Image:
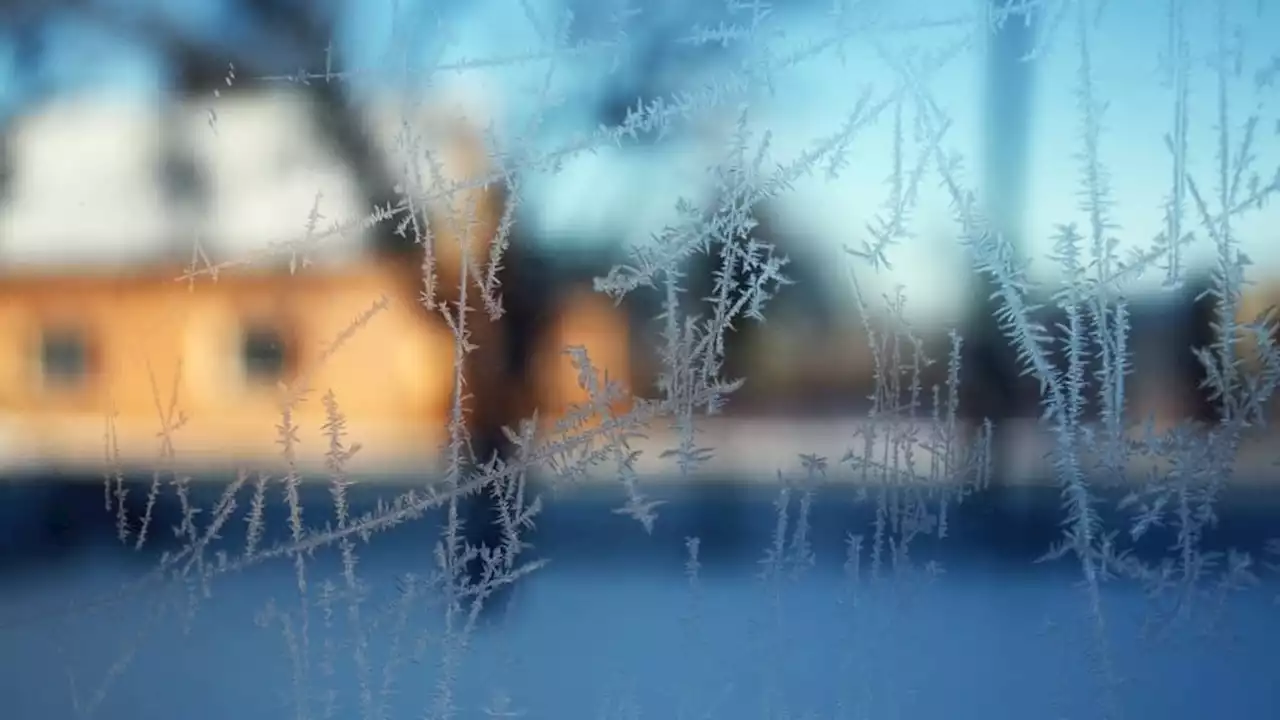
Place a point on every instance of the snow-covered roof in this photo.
(266, 167)
(84, 183)
(442, 135)
(88, 182)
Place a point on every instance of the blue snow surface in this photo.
(612, 628)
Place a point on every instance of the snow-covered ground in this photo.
(612, 629)
(751, 450)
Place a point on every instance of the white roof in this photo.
(267, 168)
(414, 135)
(87, 180)
(88, 175)
(84, 183)
(444, 135)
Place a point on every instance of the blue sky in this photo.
(813, 99)
(631, 192)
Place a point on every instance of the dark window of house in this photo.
(265, 354)
(64, 357)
